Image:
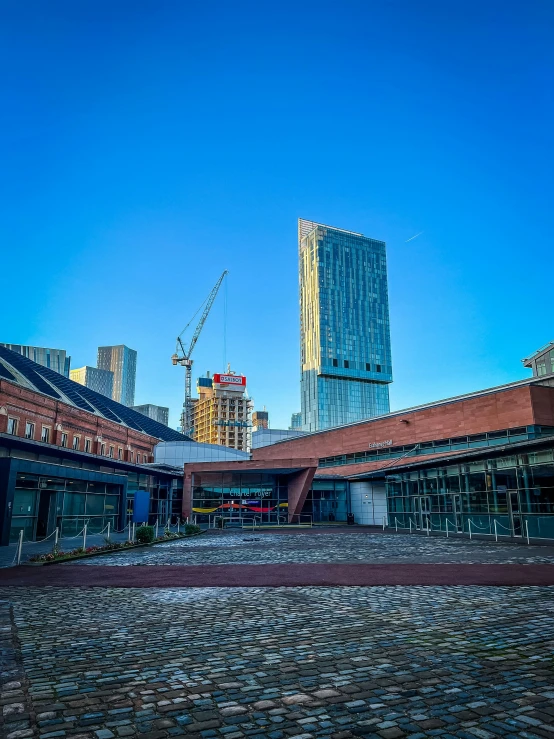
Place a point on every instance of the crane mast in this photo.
(182, 355)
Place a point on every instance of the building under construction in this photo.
(260, 420)
(222, 414)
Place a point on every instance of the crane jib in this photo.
(185, 360)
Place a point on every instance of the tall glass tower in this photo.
(344, 326)
(122, 361)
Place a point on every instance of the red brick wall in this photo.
(521, 406)
(543, 404)
(26, 405)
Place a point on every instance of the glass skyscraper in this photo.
(344, 326)
(122, 361)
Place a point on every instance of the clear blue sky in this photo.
(146, 146)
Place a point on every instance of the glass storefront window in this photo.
(24, 502)
(96, 487)
(76, 486)
(94, 505)
(74, 504)
(26, 481)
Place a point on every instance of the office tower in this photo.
(344, 326)
(54, 359)
(122, 361)
(157, 413)
(96, 379)
(222, 414)
(260, 420)
(296, 421)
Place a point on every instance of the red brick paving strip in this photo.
(276, 575)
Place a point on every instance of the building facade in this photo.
(122, 361)
(508, 491)
(157, 412)
(265, 437)
(222, 414)
(69, 454)
(476, 459)
(54, 359)
(296, 421)
(346, 363)
(260, 420)
(99, 380)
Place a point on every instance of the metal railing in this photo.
(473, 528)
(108, 534)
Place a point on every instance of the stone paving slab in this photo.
(223, 663)
(300, 546)
(277, 575)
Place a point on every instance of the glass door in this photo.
(517, 523)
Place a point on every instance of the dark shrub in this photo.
(192, 529)
(144, 534)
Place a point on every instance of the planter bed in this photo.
(97, 553)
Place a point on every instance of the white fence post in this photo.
(383, 523)
(109, 522)
(527, 529)
(19, 547)
(396, 524)
(156, 527)
(85, 537)
(495, 531)
(178, 525)
(447, 528)
(428, 526)
(410, 524)
(133, 535)
(469, 525)
(56, 535)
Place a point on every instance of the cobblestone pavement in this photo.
(388, 662)
(266, 548)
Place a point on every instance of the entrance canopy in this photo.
(232, 488)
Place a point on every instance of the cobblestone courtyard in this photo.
(299, 662)
(303, 547)
(271, 663)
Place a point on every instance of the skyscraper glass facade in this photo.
(122, 361)
(344, 326)
(96, 379)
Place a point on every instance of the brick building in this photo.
(353, 468)
(56, 438)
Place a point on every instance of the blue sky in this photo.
(147, 146)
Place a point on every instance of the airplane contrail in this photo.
(413, 237)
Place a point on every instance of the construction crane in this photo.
(182, 355)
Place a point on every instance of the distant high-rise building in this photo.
(296, 421)
(260, 420)
(96, 379)
(122, 361)
(223, 412)
(157, 412)
(54, 359)
(344, 326)
(542, 361)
